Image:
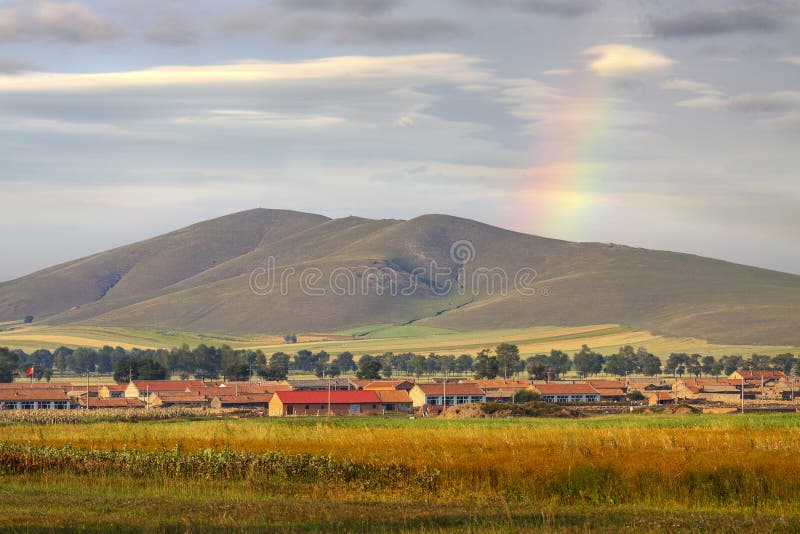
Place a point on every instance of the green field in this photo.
(376, 339)
(621, 474)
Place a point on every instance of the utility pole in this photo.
(444, 390)
(743, 395)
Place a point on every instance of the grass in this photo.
(626, 473)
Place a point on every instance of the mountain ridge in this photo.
(198, 278)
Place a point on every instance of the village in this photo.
(741, 390)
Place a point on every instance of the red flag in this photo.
(30, 371)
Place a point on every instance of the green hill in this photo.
(342, 273)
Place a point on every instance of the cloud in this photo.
(395, 30)
(360, 7)
(620, 59)
(10, 65)
(683, 84)
(558, 8)
(760, 17)
(774, 102)
(45, 20)
(792, 59)
(172, 28)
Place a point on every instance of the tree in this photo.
(623, 363)
(369, 369)
(8, 362)
(587, 362)
(647, 362)
(707, 364)
(290, 338)
(237, 371)
(676, 363)
(784, 362)
(28, 319)
(731, 363)
(463, 363)
(559, 362)
(84, 360)
(537, 367)
(507, 358)
(635, 395)
(62, 358)
(417, 365)
(485, 366)
(345, 362)
(139, 369)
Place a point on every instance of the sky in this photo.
(665, 124)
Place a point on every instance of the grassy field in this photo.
(626, 473)
(376, 339)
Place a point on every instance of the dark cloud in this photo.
(248, 21)
(361, 7)
(395, 30)
(10, 65)
(70, 22)
(765, 17)
(558, 8)
(777, 102)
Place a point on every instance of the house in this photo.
(341, 402)
(434, 394)
(264, 386)
(611, 395)
(502, 395)
(112, 391)
(141, 389)
(662, 398)
(376, 385)
(245, 400)
(608, 384)
(34, 399)
(564, 393)
(110, 402)
(394, 400)
(757, 376)
(183, 399)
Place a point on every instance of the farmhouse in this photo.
(246, 400)
(434, 394)
(566, 393)
(662, 398)
(141, 389)
(342, 402)
(191, 399)
(112, 391)
(322, 384)
(394, 400)
(376, 385)
(34, 399)
(757, 376)
(110, 402)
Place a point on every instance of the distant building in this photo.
(341, 402)
(566, 393)
(434, 394)
(34, 399)
(394, 400)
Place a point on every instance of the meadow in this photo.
(380, 338)
(620, 473)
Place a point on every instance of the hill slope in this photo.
(333, 274)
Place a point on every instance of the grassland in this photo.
(629, 473)
(379, 338)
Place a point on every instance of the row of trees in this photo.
(503, 361)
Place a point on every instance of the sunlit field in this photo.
(377, 339)
(651, 472)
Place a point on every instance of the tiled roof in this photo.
(321, 397)
(611, 392)
(35, 394)
(389, 384)
(758, 375)
(606, 384)
(393, 396)
(168, 385)
(565, 389)
(254, 398)
(114, 402)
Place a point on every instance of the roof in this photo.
(498, 383)
(758, 375)
(338, 383)
(114, 402)
(255, 398)
(565, 389)
(663, 396)
(354, 396)
(389, 384)
(452, 389)
(179, 397)
(606, 384)
(611, 392)
(168, 385)
(393, 396)
(249, 387)
(40, 394)
(35, 385)
(115, 387)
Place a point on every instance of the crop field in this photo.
(376, 339)
(623, 473)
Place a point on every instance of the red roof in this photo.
(758, 375)
(606, 384)
(321, 397)
(565, 389)
(40, 394)
(114, 402)
(611, 392)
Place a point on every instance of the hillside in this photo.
(198, 279)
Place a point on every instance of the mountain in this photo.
(340, 273)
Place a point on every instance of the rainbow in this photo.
(562, 194)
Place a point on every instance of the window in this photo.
(462, 399)
(561, 399)
(307, 406)
(355, 408)
(321, 406)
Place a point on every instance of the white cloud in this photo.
(792, 59)
(621, 59)
(684, 84)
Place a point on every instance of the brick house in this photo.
(434, 394)
(341, 402)
(566, 393)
